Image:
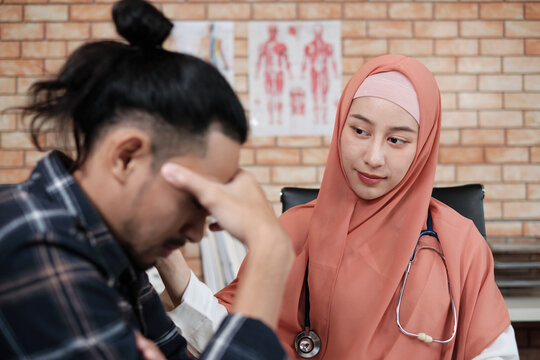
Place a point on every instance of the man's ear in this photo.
(127, 149)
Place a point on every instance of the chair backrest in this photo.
(468, 200)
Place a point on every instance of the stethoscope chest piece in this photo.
(307, 344)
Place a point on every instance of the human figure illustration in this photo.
(211, 49)
(319, 53)
(273, 57)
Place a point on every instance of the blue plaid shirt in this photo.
(68, 290)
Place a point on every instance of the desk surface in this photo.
(523, 308)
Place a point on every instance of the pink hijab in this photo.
(358, 251)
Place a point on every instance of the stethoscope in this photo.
(308, 344)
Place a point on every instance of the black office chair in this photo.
(468, 200)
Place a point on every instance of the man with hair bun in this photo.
(157, 137)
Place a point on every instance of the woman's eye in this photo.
(360, 131)
(396, 141)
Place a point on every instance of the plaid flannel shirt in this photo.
(68, 290)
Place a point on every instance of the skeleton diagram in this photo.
(273, 57)
(319, 53)
(211, 49)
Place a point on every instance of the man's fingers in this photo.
(185, 179)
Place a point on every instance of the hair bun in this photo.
(140, 23)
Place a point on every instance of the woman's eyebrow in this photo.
(394, 128)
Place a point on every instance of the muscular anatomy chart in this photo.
(210, 41)
(294, 77)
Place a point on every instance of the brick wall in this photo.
(485, 56)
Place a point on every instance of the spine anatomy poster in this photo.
(294, 77)
(210, 41)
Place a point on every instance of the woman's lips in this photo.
(369, 179)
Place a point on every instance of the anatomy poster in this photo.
(294, 77)
(210, 41)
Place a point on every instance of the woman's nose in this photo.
(374, 155)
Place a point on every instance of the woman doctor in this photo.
(355, 242)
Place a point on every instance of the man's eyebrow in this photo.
(395, 128)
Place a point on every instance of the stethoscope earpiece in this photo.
(307, 344)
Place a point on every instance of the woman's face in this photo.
(378, 144)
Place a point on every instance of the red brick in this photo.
(445, 173)
(533, 191)
(411, 11)
(277, 156)
(461, 155)
(11, 158)
(532, 11)
(11, 13)
(436, 29)
(456, 47)
(53, 66)
(508, 155)
(260, 141)
(241, 83)
(500, 82)
(532, 82)
(522, 29)
(274, 11)
(456, 11)
(73, 45)
(31, 157)
(504, 228)
(241, 29)
(480, 100)
(24, 1)
(360, 47)
(353, 29)
(449, 137)
(502, 47)
(184, 11)
(521, 101)
(261, 173)
(439, 64)
(521, 210)
(350, 65)
(492, 210)
(90, 12)
(21, 31)
(535, 155)
(7, 86)
(43, 49)
(294, 174)
(411, 47)
(71, 31)
(45, 13)
(532, 228)
(314, 156)
(521, 173)
(323, 11)
(501, 11)
(229, 11)
(9, 49)
(523, 136)
(21, 67)
(483, 174)
(364, 11)
(448, 101)
(532, 118)
(456, 82)
(16, 140)
(299, 141)
(459, 119)
(272, 192)
(104, 30)
(385, 29)
(8, 121)
(482, 136)
(7, 101)
(13, 176)
(501, 119)
(521, 64)
(532, 47)
(24, 83)
(479, 64)
(505, 191)
(482, 29)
